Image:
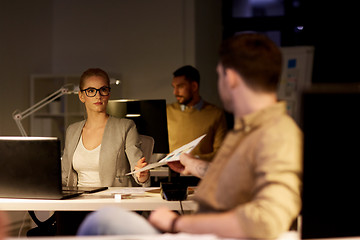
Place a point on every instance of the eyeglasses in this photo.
(91, 92)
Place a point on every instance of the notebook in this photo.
(30, 167)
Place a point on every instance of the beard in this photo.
(184, 100)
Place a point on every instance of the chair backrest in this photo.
(147, 146)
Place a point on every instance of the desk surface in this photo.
(141, 199)
(167, 236)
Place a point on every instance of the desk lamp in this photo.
(65, 89)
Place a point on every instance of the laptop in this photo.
(30, 167)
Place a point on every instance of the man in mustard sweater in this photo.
(191, 116)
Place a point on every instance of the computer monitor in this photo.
(149, 117)
(331, 126)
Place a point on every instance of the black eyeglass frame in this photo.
(96, 91)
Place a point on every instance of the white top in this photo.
(86, 164)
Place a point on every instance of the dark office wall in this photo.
(25, 48)
(139, 41)
(142, 42)
(208, 31)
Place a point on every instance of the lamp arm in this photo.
(20, 126)
(18, 116)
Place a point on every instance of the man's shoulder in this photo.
(212, 107)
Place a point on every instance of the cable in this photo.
(181, 206)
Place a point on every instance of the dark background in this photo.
(330, 113)
(330, 26)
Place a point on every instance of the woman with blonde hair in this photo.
(101, 149)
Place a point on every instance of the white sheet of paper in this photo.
(173, 156)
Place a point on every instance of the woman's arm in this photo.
(134, 153)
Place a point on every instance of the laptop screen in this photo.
(30, 167)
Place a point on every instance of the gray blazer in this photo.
(120, 150)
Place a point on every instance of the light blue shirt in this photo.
(197, 106)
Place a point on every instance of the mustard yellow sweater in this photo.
(185, 126)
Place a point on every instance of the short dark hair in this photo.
(191, 74)
(93, 72)
(255, 57)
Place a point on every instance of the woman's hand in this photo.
(144, 175)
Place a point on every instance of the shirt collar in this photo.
(197, 106)
(252, 120)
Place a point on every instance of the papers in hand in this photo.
(173, 156)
